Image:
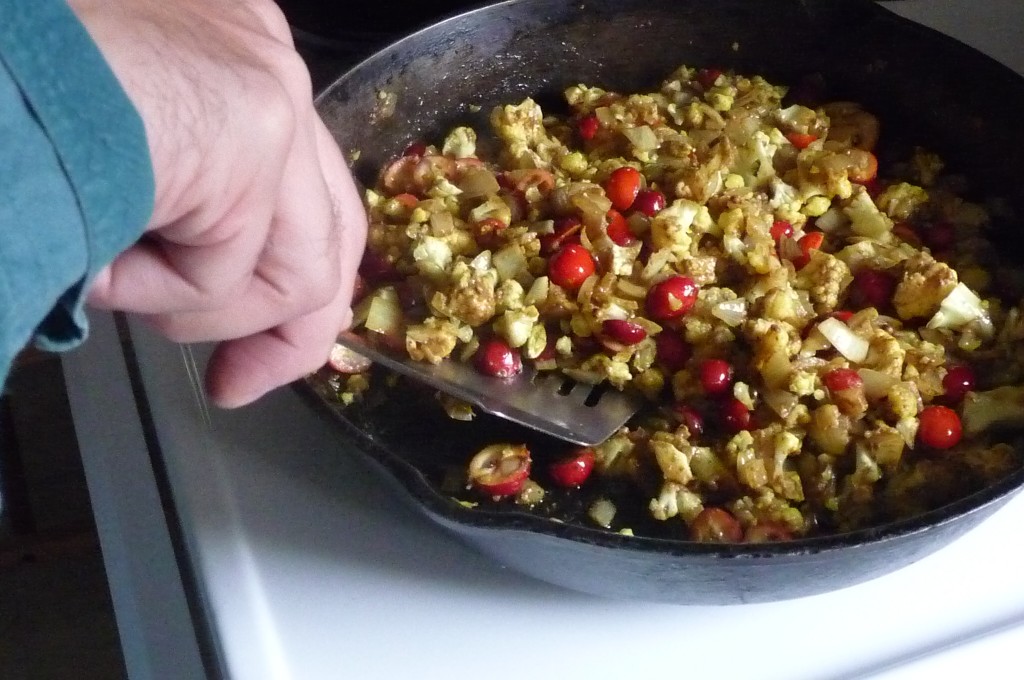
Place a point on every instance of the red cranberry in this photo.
(958, 381)
(570, 266)
(495, 358)
(691, 418)
(873, 288)
(781, 228)
(715, 525)
(939, 427)
(650, 202)
(841, 379)
(671, 298)
(715, 376)
(588, 127)
(624, 332)
(573, 470)
(735, 416)
(768, 532)
(500, 469)
(672, 351)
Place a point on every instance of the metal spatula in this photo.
(548, 402)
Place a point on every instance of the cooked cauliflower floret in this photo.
(886, 354)
(924, 284)
(829, 429)
(902, 201)
(865, 217)
(460, 143)
(904, 400)
(672, 228)
(742, 455)
(516, 326)
(826, 278)
(433, 340)
(676, 500)
(471, 296)
(672, 454)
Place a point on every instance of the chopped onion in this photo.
(482, 262)
(776, 370)
(630, 289)
(602, 511)
(656, 264)
(478, 182)
(789, 249)
(876, 383)
(832, 219)
(593, 206)
(614, 311)
(538, 291)
(958, 309)
(385, 313)
(442, 223)
(732, 312)
(605, 115)
(642, 138)
(510, 262)
(846, 342)
(781, 401)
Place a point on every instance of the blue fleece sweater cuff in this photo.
(99, 141)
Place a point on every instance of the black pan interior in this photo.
(926, 88)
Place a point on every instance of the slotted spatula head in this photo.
(550, 403)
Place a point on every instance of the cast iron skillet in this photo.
(925, 87)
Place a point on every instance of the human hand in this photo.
(257, 228)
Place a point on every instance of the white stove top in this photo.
(309, 567)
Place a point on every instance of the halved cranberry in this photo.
(672, 351)
(781, 228)
(623, 331)
(812, 240)
(939, 427)
(487, 232)
(650, 202)
(618, 229)
(495, 358)
(872, 288)
(500, 469)
(958, 381)
(801, 140)
(840, 379)
(715, 376)
(588, 127)
(716, 525)
(574, 469)
(671, 298)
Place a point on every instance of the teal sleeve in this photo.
(76, 183)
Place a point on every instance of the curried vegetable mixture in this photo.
(821, 344)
